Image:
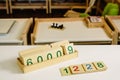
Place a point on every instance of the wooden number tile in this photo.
(33, 57)
(40, 56)
(68, 49)
(60, 43)
(77, 69)
(100, 66)
(65, 71)
(89, 67)
(54, 53)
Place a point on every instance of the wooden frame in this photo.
(113, 25)
(112, 34)
(5, 6)
(22, 37)
(105, 28)
(26, 30)
(28, 5)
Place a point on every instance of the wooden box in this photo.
(75, 30)
(93, 22)
(114, 22)
(18, 34)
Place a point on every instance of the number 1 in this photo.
(65, 71)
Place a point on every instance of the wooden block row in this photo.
(44, 53)
(83, 68)
(47, 63)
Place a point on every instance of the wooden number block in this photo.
(89, 67)
(46, 63)
(68, 49)
(100, 66)
(65, 71)
(40, 56)
(33, 57)
(77, 69)
(60, 43)
(54, 53)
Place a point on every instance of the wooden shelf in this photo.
(48, 5)
(67, 5)
(4, 5)
(28, 5)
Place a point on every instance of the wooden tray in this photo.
(44, 64)
(84, 35)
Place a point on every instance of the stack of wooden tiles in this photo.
(83, 68)
(43, 56)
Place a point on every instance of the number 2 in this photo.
(89, 67)
(75, 68)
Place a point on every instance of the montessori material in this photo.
(77, 31)
(43, 56)
(83, 68)
(5, 25)
(16, 31)
(94, 21)
(114, 22)
(109, 54)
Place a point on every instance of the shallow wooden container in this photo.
(76, 32)
(46, 63)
